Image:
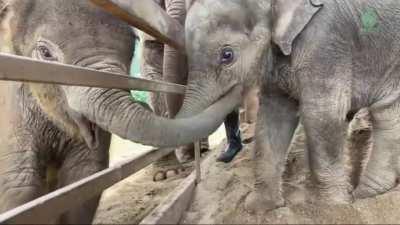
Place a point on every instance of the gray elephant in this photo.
(321, 59)
(159, 62)
(53, 135)
(305, 57)
(45, 143)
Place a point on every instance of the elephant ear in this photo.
(291, 17)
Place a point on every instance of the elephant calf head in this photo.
(231, 43)
(71, 32)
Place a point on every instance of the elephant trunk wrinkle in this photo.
(176, 9)
(200, 96)
(113, 110)
(193, 103)
(102, 63)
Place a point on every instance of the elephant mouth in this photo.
(200, 108)
(229, 92)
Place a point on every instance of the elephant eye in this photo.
(227, 55)
(45, 53)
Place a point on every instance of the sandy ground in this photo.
(130, 200)
(220, 197)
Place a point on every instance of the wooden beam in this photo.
(50, 206)
(149, 17)
(23, 69)
(197, 158)
(175, 205)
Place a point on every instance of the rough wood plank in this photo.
(173, 207)
(18, 68)
(61, 200)
(197, 158)
(147, 16)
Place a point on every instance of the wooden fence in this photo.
(16, 68)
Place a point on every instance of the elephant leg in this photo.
(251, 105)
(297, 164)
(251, 109)
(176, 71)
(277, 121)
(175, 64)
(79, 163)
(381, 172)
(326, 128)
(21, 179)
(151, 68)
(185, 153)
(359, 144)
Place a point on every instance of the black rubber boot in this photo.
(233, 135)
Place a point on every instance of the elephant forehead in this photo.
(74, 14)
(212, 14)
(65, 20)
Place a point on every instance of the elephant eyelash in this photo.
(46, 50)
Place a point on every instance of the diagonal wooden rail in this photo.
(147, 16)
(17, 68)
(71, 196)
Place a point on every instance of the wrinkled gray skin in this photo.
(151, 64)
(161, 62)
(53, 135)
(322, 63)
(45, 144)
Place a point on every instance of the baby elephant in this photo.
(45, 144)
(319, 59)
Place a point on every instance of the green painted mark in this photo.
(141, 96)
(135, 68)
(369, 20)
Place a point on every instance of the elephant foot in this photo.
(362, 192)
(335, 195)
(168, 167)
(371, 188)
(257, 203)
(162, 175)
(185, 153)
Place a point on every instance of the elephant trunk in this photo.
(115, 111)
(200, 94)
(175, 66)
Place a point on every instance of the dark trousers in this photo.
(232, 128)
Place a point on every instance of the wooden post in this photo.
(197, 157)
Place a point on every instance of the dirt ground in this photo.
(219, 198)
(129, 201)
